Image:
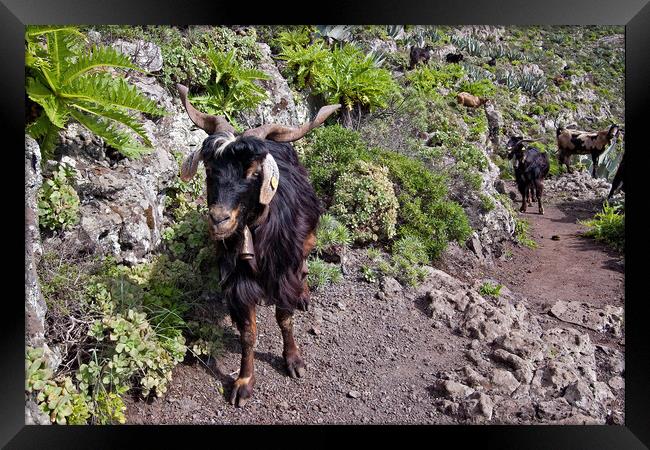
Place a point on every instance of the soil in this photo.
(372, 360)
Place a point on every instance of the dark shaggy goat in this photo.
(263, 214)
(618, 178)
(531, 166)
(575, 142)
(419, 55)
(454, 57)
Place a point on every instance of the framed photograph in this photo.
(412, 216)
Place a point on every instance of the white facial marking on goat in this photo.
(222, 142)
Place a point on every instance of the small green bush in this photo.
(304, 63)
(424, 209)
(58, 202)
(364, 200)
(482, 88)
(490, 290)
(487, 204)
(321, 273)
(426, 79)
(233, 88)
(331, 150)
(351, 78)
(521, 233)
(331, 235)
(608, 226)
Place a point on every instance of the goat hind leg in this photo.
(539, 189)
(243, 387)
(291, 353)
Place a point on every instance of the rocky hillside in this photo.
(119, 272)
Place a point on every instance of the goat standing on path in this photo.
(531, 166)
(575, 142)
(263, 214)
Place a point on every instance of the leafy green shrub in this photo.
(68, 83)
(409, 253)
(365, 201)
(608, 226)
(304, 63)
(58, 202)
(331, 150)
(331, 235)
(233, 89)
(483, 88)
(490, 290)
(426, 79)
(351, 78)
(424, 210)
(293, 38)
(321, 273)
(369, 274)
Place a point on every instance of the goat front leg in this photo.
(594, 160)
(243, 387)
(291, 353)
(524, 199)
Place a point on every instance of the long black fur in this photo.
(531, 167)
(275, 276)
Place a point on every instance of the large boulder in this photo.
(122, 200)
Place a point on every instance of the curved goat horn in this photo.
(208, 123)
(281, 133)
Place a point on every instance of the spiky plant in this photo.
(233, 88)
(305, 62)
(70, 82)
(352, 79)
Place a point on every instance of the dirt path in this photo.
(570, 268)
(368, 361)
(372, 360)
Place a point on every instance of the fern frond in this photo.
(116, 115)
(111, 134)
(98, 57)
(103, 89)
(53, 107)
(45, 133)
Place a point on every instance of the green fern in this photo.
(233, 88)
(67, 81)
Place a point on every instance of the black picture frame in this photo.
(633, 14)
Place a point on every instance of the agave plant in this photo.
(341, 33)
(395, 31)
(233, 88)
(71, 83)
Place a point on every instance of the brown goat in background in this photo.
(574, 142)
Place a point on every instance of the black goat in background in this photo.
(263, 214)
(531, 167)
(618, 178)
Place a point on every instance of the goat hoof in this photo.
(295, 365)
(541, 211)
(242, 391)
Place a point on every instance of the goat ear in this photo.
(270, 180)
(191, 164)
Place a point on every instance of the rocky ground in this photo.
(549, 349)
